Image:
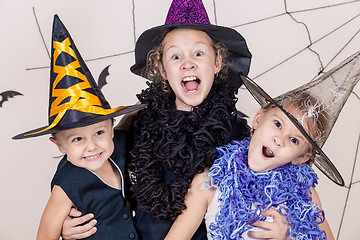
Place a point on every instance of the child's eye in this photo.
(198, 54)
(99, 132)
(175, 57)
(277, 124)
(77, 139)
(294, 140)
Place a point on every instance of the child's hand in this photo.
(71, 230)
(273, 230)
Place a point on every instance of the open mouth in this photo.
(191, 84)
(267, 152)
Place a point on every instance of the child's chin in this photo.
(257, 169)
(253, 168)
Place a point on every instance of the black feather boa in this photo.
(183, 143)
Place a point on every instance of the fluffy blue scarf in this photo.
(287, 188)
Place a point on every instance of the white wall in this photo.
(108, 29)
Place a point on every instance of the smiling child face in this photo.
(87, 147)
(276, 141)
(189, 64)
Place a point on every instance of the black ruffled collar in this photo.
(184, 143)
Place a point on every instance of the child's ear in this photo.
(112, 128)
(257, 118)
(218, 63)
(162, 70)
(61, 149)
(302, 159)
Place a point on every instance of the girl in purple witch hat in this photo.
(192, 66)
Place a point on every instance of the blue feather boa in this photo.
(287, 188)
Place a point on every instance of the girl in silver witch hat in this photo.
(273, 168)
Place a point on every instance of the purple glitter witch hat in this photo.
(187, 12)
(192, 14)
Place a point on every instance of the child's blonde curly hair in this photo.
(154, 58)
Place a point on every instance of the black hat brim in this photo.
(322, 162)
(239, 54)
(82, 123)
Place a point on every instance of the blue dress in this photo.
(91, 195)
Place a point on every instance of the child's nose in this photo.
(278, 140)
(91, 145)
(188, 64)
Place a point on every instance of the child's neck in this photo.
(110, 174)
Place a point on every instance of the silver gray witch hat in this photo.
(331, 91)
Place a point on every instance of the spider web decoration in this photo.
(292, 42)
(312, 41)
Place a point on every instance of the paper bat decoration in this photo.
(6, 95)
(102, 77)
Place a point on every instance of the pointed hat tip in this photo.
(187, 11)
(56, 18)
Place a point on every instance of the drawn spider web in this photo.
(312, 42)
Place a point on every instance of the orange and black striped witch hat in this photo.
(75, 99)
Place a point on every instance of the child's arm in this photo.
(197, 200)
(324, 226)
(56, 210)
